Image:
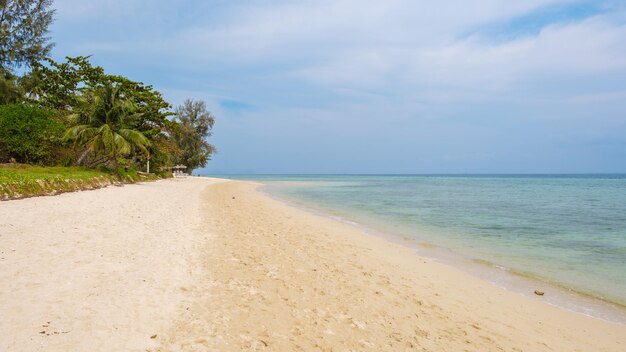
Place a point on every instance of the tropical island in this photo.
(106, 244)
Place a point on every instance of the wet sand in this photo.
(283, 279)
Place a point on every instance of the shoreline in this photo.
(211, 264)
(283, 278)
(556, 294)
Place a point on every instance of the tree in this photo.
(69, 87)
(103, 130)
(60, 85)
(10, 90)
(23, 32)
(194, 125)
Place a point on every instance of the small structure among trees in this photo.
(179, 170)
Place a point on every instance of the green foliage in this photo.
(15, 89)
(10, 91)
(60, 86)
(194, 125)
(28, 134)
(69, 85)
(152, 108)
(103, 129)
(72, 88)
(151, 119)
(23, 29)
(22, 173)
(110, 119)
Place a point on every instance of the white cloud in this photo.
(587, 48)
(319, 28)
(410, 74)
(345, 45)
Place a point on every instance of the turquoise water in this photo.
(567, 230)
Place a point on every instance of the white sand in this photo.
(97, 270)
(225, 268)
(282, 279)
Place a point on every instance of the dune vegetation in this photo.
(21, 180)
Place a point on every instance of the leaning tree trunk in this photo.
(82, 157)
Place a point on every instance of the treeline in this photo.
(75, 113)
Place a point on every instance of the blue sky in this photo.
(399, 86)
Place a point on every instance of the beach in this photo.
(98, 270)
(201, 264)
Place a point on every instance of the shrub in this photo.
(29, 134)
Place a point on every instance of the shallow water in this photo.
(569, 230)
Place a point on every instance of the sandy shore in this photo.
(98, 270)
(207, 265)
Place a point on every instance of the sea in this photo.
(566, 233)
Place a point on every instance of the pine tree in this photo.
(23, 32)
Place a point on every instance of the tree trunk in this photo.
(148, 164)
(82, 157)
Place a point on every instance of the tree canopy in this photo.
(72, 88)
(23, 32)
(194, 126)
(10, 90)
(103, 130)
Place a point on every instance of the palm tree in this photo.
(102, 130)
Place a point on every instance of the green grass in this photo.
(21, 181)
(19, 172)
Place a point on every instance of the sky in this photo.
(395, 86)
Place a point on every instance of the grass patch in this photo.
(21, 181)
